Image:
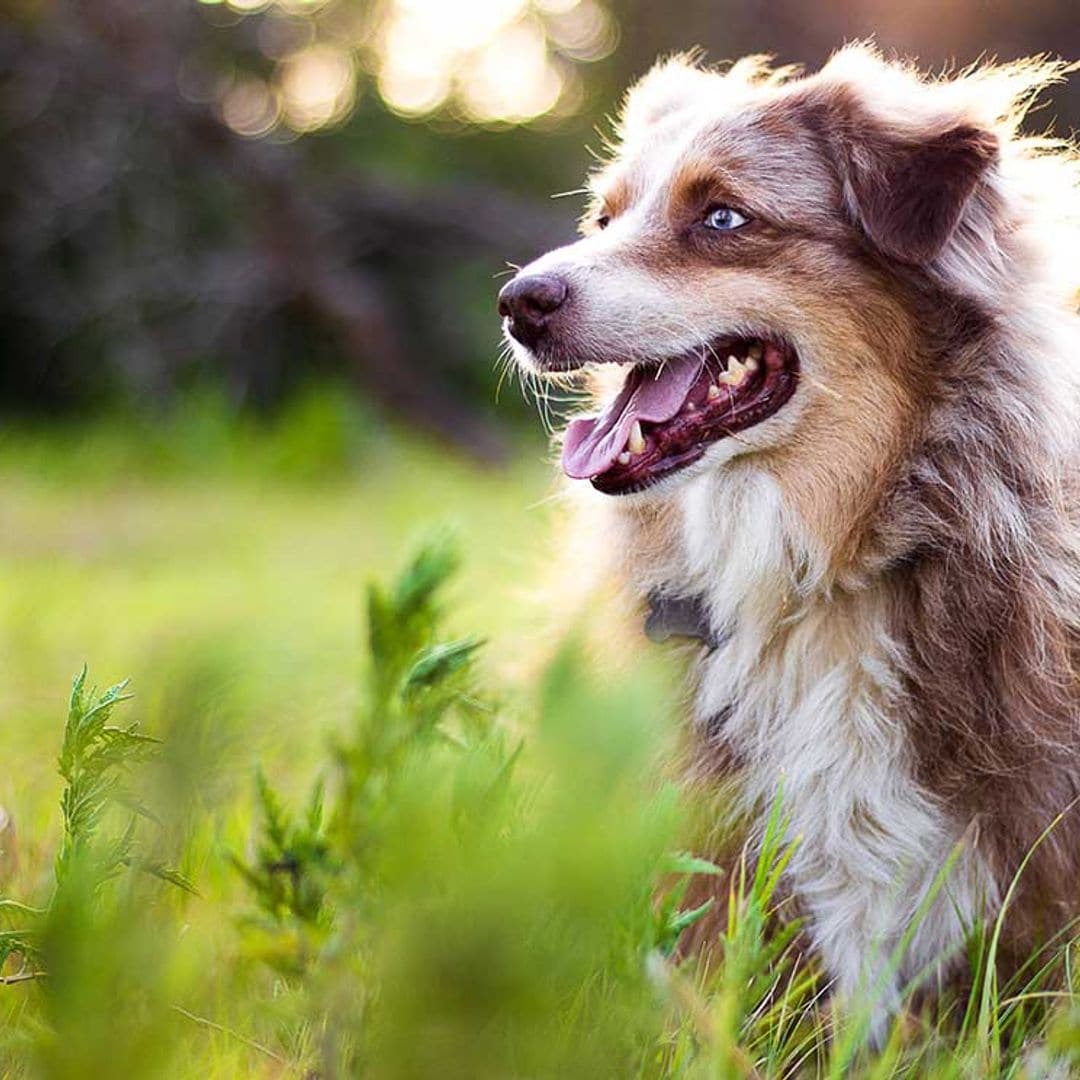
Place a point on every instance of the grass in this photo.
(206, 559)
(333, 829)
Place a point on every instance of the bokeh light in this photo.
(511, 78)
(318, 87)
(583, 31)
(248, 6)
(248, 106)
(484, 62)
(490, 61)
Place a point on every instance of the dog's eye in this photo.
(724, 219)
(603, 221)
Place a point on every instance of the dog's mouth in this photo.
(668, 413)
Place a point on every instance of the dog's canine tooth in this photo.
(714, 391)
(624, 458)
(735, 373)
(636, 443)
(750, 364)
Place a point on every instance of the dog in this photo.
(830, 325)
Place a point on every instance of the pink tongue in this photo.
(592, 444)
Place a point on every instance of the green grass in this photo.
(222, 569)
(236, 569)
(383, 839)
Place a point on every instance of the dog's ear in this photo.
(907, 191)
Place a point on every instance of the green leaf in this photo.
(430, 569)
(437, 663)
(166, 873)
(682, 919)
(684, 863)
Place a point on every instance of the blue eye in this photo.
(724, 219)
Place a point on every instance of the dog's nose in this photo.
(528, 301)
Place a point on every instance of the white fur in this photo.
(809, 670)
(812, 676)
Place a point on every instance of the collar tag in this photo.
(678, 616)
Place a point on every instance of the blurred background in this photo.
(249, 198)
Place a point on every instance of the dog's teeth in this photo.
(735, 373)
(636, 443)
(689, 407)
(714, 391)
(755, 352)
(624, 458)
(751, 364)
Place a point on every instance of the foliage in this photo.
(468, 889)
(148, 248)
(72, 944)
(96, 759)
(430, 825)
(481, 907)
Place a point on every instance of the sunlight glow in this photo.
(511, 78)
(249, 107)
(318, 87)
(460, 26)
(490, 61)
(485, 62)
(583, 31)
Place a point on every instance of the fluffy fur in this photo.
(895, 554)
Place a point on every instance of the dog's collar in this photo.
(679, 616)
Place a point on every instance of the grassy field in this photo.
(489, 884)
(242, 591)
(223, 571)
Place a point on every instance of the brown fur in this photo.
(909, 238)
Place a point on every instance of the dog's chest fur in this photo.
(804, 693)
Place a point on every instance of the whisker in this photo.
(555, 496)
(821, 386)
(502, 366)
(539, 395)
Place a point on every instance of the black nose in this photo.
(527, 302)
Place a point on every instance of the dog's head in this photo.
(775, 269)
